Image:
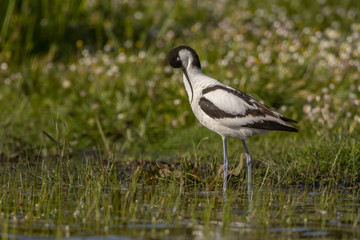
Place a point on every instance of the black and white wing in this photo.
(236, 109)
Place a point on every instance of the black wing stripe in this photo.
(249, 100)
(270, 125)
(214, 112)
(237, 93)
(245, 97)
(289, 120)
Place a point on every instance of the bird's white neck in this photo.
(191, 75)
(198, 81)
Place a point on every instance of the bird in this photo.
(224, 110)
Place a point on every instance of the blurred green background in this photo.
(93, 74)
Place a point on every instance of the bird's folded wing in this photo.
(235, 109)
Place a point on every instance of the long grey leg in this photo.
(225, 167)
(249, 164)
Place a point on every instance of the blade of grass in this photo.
(101, 131)
(5, 25)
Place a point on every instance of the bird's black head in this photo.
(184, 57)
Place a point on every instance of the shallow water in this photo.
(157, 213)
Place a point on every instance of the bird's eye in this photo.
(178, 59)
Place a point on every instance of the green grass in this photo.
(96, 130)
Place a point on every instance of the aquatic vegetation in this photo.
(86, 198)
